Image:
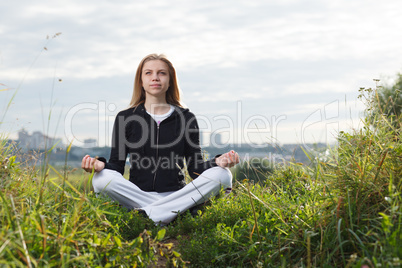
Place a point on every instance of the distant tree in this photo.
(256, 170)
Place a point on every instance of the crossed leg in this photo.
(162, 207)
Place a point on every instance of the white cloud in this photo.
(211, 34)
(274, 56)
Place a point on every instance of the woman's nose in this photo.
(155, 77)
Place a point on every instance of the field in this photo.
(342, 210)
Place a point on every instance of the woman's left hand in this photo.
(228, 160)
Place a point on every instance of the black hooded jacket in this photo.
(157, 153)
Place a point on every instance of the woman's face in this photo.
(155, 78)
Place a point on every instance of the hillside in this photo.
(342, 210)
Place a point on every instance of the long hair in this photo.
(173, 92)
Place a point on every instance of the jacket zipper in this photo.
(157, 155)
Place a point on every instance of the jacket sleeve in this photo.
(118, 152)
(194, 158)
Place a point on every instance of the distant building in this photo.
(36, 141)
(216, 139)
(23, 138)
(203, 142)
(89, 143)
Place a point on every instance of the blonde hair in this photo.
(173, 92)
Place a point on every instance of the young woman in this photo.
(161, 138)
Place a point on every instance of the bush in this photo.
(341, 211)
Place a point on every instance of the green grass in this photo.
(48, 222)
(341, 212)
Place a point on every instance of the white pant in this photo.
(162, 207)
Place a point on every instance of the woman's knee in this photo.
(224, 176)
(103, 181)
(227, 178)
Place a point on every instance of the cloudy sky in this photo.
(254, 71)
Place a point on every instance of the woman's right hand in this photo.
(90, 163)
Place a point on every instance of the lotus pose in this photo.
(161, 138)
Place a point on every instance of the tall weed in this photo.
(341, 211)
(48, 224)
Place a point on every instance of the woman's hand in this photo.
(89, 163)
(228, 160)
